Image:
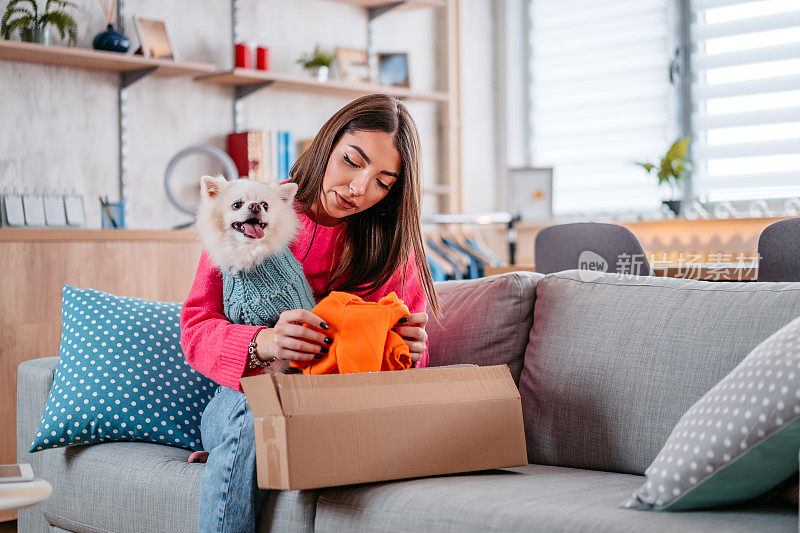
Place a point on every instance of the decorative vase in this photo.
(320, 73)
(36, 35)
(111, 40)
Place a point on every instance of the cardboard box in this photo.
(322, 431)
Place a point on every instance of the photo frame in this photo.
(353, 65)
(153, 39)
(393, 69)
(530, 193)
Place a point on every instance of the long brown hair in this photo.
(378, 240)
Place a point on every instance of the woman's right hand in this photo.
(290, 340)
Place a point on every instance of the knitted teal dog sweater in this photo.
(258, 296)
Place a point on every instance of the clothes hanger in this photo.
(461, 238)
(457, 257)
(483, 244)
(448, 268)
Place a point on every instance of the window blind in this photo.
(746, 95)
(600, 100)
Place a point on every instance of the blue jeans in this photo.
(230, 499)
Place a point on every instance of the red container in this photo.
(262, 58)
(242, 55)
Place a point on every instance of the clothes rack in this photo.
(457, 254)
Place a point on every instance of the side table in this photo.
(21, 494)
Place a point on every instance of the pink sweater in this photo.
(218, 349)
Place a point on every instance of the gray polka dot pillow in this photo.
(739, 440)
(121, 375)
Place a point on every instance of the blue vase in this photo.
(111, 40)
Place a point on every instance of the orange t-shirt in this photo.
(363, 340)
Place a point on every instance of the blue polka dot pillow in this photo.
(121, 375)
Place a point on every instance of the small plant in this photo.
(29, 17)
(317, 58)
(674, 166)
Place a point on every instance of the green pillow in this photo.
(739, 440)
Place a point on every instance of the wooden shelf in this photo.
(84, 234)
(442, 190)
(408, 4)
(256, 79)
(83, 58)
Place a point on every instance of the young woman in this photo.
(358, 199)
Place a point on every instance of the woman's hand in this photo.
(412, 329)
(290, 340)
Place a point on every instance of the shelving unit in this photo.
(402, 4)
(449, 200)
(246, 81)
(131, 67)
(376, 8)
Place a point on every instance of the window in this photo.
(746, 92)
(600, 100)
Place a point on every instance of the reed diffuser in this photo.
(110, 39)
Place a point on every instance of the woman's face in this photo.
(361, 170)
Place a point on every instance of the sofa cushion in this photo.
(613, 363)
(121, 375)
(143, 487)
(529, 498)
(133, 486)
(486, 321)
(121, 486)
(739, 440)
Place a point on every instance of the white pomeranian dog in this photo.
(246, 227)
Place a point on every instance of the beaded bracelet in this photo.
(254, 361)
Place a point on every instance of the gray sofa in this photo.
(605, 368)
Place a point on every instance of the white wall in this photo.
(60, 124)
(478, 86)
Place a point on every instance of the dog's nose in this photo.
(255, 207)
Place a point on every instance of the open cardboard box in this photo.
(314, 431)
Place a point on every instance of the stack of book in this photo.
(263, 155)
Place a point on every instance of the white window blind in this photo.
(601, 100)
(746, 96)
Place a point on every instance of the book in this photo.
(281, 155)
(304, 145)
(271, 155)
(247, 151)
(291, 152)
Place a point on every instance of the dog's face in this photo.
(245, 221)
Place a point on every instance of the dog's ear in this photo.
(287, 191)
(211, 186)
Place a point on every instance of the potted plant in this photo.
(318, 62)
(33, 20)
(673, 168)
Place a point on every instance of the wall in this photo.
(61, 124)
(478, 86)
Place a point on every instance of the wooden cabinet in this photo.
(157, 265)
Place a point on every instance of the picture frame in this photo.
(530, 193)
(353, 65)
(393, 69)
(154, 40)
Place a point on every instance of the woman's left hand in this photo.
(412, 329)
